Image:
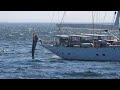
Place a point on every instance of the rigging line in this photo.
(113, 20)
(52, 19)
(99, 20)
(58, 16)
(113, 26)
(97, 16)
(62, 20)
(93, 15)
(104, 19)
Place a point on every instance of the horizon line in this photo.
(62, 23)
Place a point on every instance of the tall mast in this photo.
(93, 15)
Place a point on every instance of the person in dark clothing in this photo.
(35, 39)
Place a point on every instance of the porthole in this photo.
(97, 54)
(103, 54)
(68, 53)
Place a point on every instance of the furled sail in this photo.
(117, 19)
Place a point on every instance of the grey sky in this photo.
(46, 16)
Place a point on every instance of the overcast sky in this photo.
(46, 16)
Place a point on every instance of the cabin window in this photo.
(75, 39)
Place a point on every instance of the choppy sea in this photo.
(16, 61)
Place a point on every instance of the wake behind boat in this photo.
(87, 46)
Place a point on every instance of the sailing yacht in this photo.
(87, 46)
